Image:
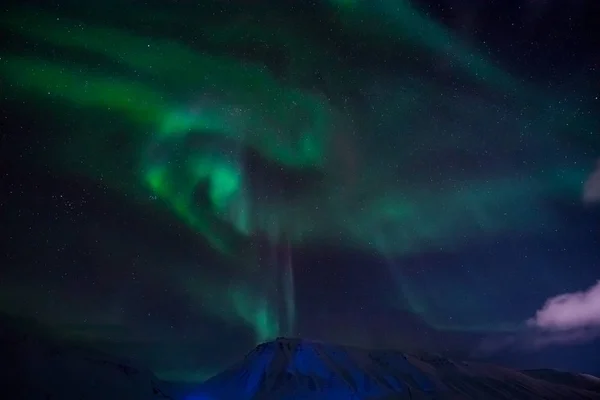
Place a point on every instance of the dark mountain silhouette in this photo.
(299, 369)
(37, 364)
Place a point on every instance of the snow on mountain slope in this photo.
(296, 369)
(35, 366)
(582, 381)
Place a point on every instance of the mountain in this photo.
(37, 365)
(299, 369)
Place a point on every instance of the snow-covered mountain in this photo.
(38, 366)
(298, 369)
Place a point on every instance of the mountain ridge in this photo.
(41, 365)
(292, 368)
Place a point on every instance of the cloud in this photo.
(566, 319)
(570, 311)
(542, 339)
(591, 188)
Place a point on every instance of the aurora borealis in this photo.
(186, 181)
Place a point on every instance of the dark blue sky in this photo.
(443, 211)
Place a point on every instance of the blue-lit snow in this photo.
(294, 369)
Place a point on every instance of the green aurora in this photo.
(171, 124)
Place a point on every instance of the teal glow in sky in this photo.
(259, 139)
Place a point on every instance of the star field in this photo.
(182, 182)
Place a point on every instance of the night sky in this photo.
(181, 182)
